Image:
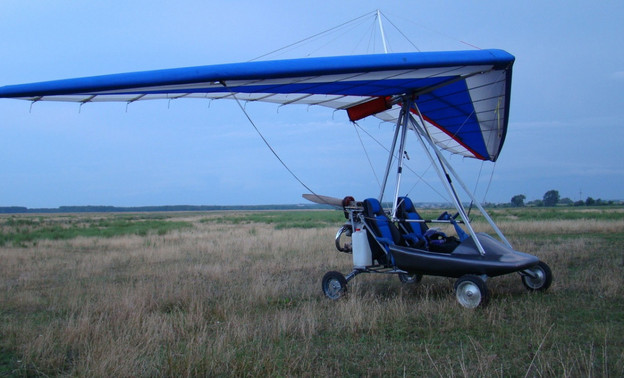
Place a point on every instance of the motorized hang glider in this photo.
(457, 101)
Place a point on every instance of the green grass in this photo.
(283, 219)
(20, 231)
(8, 362)
(539, 213)
(558, 213)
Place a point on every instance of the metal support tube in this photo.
(395, 199)
(390, 157)
(474, 200)
(444, 177)
(353, 273)
(481, 209)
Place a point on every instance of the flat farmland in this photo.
(239, 293)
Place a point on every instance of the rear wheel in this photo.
(334, 285)
(471, 291)
(539, 279)
(407, 278)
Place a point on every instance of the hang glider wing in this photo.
(462, 95)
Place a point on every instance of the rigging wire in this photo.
(475, 188)
(487, 189)
(400, 32)
(377, 15)
(266, 142)
(420, 177)
(430, 30)
(355, 127)
(312, 36)
(346, 31)
(371, 38)
(345, 28)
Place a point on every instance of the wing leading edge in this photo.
(462, 95)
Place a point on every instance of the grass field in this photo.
(239, 294)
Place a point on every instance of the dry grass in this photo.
(245, 299)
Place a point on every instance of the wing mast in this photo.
(381, 30)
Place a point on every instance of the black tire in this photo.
(407, 278)
(542, 280)
(471, 291)
(334, 285)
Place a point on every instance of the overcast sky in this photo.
(565, 132)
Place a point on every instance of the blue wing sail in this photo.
(463, 95)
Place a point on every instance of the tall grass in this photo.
(241, 296)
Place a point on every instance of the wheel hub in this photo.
(333, 288)
(537, 279)
(469, 295)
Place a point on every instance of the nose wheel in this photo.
(537, 278)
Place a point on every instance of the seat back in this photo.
(379, 224)
(407, 211)
(418, 232)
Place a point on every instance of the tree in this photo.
(518, 200)
(551, 198)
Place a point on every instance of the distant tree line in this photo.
(551, 198)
